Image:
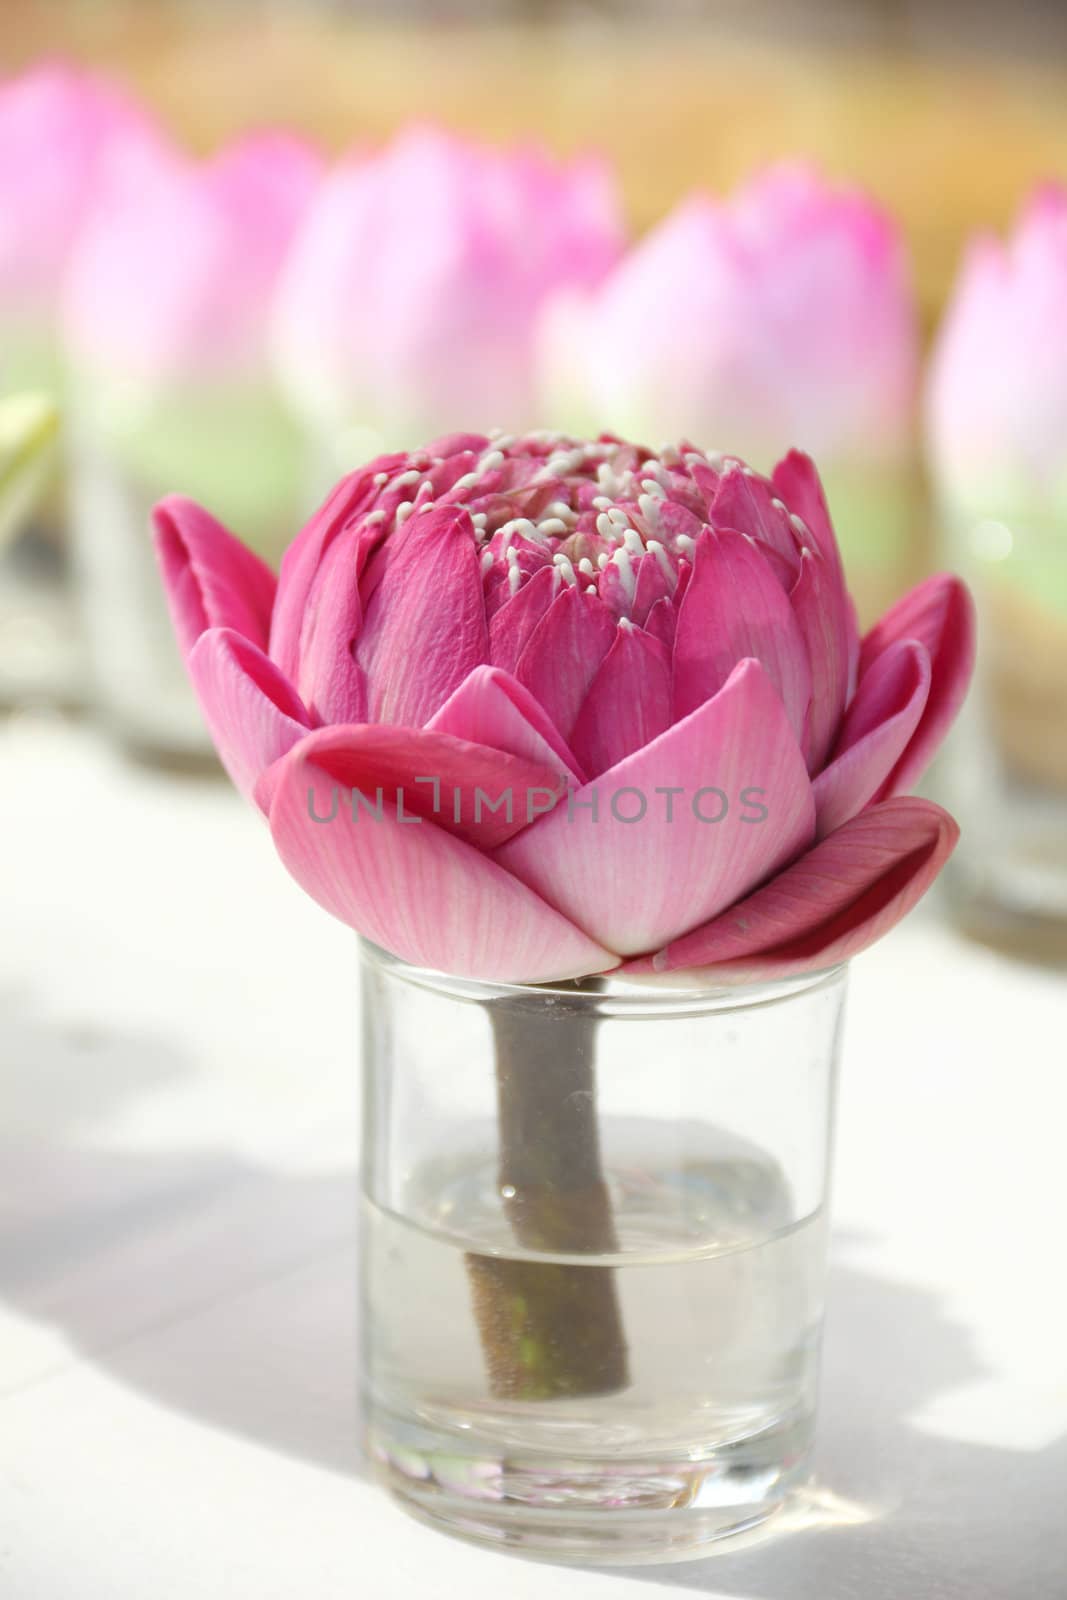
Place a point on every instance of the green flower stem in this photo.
(549, 1330)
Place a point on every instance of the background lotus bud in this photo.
(59, 129)
(167, 309)
(997, 402)
(783, 316)
(577, 622)
(415, 287)
(997, 439)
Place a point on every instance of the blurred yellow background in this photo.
(947, 113)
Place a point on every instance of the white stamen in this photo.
(660, 552)
(626, 624)
(405, 478)
(590, 588)
(563, 462)
(586, 566)
(551, 526)
(487, 560)
(798, 525)
(404, 510)
(375, 516)
(380, 478)
(621, 558)
(602, 561)
(779, 505)
(602, 502)
(684, 544)
(562, 564)
(654, 488)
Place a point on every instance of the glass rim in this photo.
(646, 996)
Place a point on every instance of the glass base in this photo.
(610, 1512)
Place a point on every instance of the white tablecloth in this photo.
(177, 1148)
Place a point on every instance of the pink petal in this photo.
(350, 499)
(424, 629)
(797, 483)
(511, 626)
(212, 579)
(416, 890)
(637, 883)
(480, 794)
(254, 713)
(828, 906)
(564, 652)
(734, 607)
(492, 708)
(329, 678)
(745, 503)
(628, 704)
(881, 720)
(940, 615)
(823, 618)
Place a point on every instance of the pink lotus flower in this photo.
(658, 649)
(997, 402)
(414, 291)
(59, 129)
(176, 271)
(783, 315)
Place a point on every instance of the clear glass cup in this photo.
(1007, 764)
(594, 1222)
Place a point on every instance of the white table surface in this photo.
(178, 1060)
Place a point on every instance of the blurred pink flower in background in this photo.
(59, 130)
(997, 399)
(657, 646)
(176, 271)
(783, 316)
(167, 315)
(414, 291)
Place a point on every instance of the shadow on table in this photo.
(227, 1293)
(220, 1289)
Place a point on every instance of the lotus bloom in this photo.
(997, 403)
(782, 316)
(651, 657)
(166, 314)
(59, 129)
(415, 289)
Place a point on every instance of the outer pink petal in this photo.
(491, 707)
(939, 613)
(349, 499)
(635, 884)
(797, 483)
(254, 713)
(824, 622)
(478, 793)
(418, 891)
(629, 703)
(734, 607)
(424, 628)
(563, 653)
(212, 579)
(828, 906)
(883, 717)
